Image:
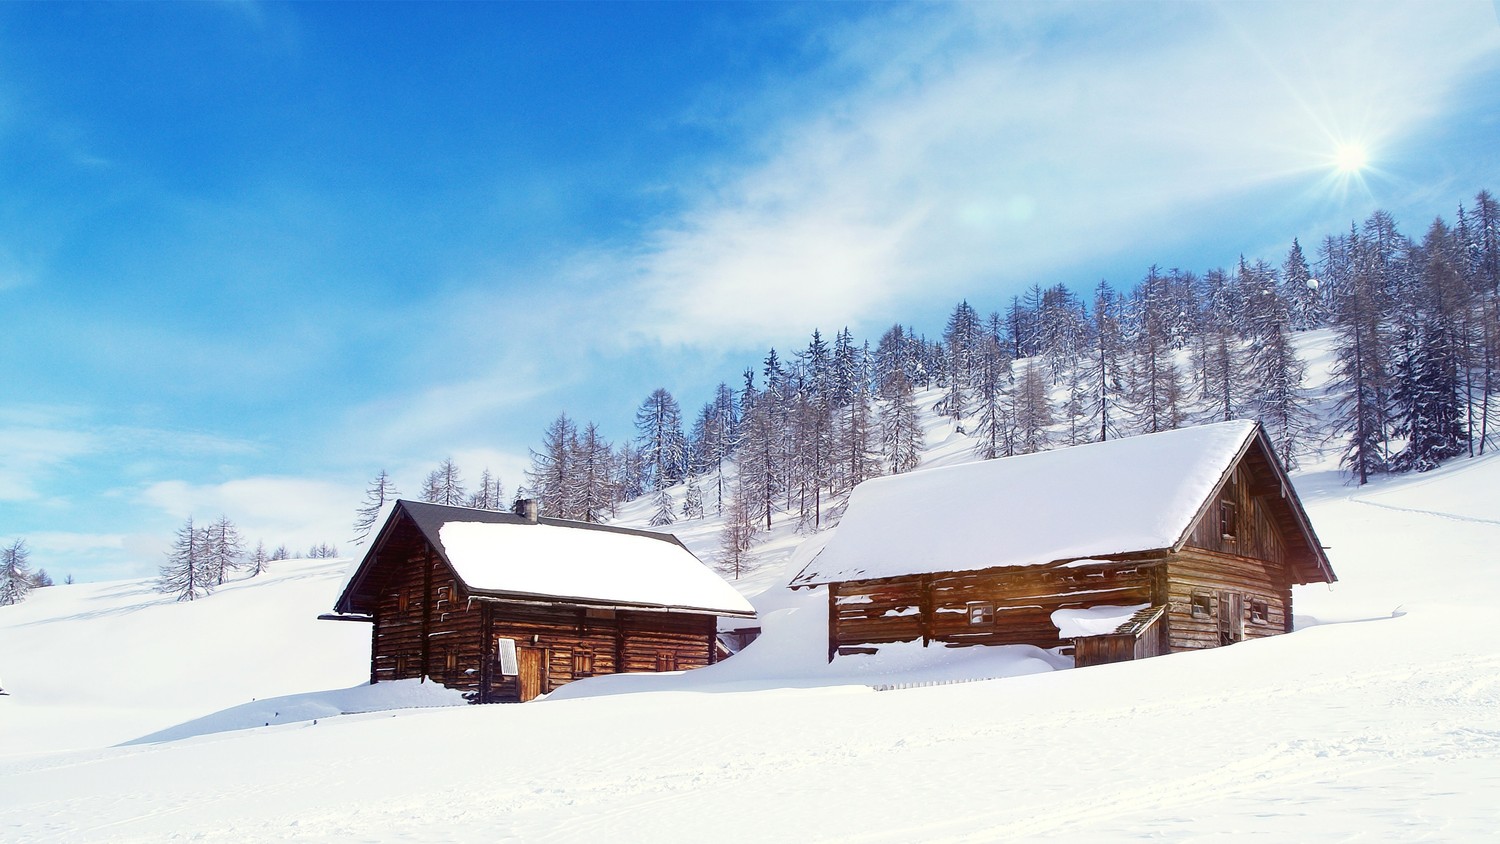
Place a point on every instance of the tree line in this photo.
(17, 578)
(1416, 328)
(202, 557)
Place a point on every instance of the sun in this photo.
(1350, 158)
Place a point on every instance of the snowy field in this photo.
(1379, 719)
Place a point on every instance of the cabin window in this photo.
(400, 671)
(1203, 605)
(401, 600)
(1227, 520)
(1260, 611)
(442, 593)
(666, 661)
(583, 663)
(451, 662)
(981, 613)
(505, 655)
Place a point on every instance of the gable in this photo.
(503, 555)
(1122, 497)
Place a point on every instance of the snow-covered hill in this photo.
(1379, 717)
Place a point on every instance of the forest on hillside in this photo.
(1416, 322)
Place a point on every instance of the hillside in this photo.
(1379, 717)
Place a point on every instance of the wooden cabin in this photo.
(508, 606)
(1118, 550)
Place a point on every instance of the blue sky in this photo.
(250, 254)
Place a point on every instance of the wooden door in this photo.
(531, 668)
(1231, 617)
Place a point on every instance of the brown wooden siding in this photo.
(428, 625)
(1208, 574)
(937, 607)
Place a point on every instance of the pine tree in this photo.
(759, 479)
(1156, 385)
(961, 337)
(552, 476)
(692, 502)
(901, 429)
(663, 448)
(1033, 410)
(1301, 291)
(1218, 352)
(380, 492)
(662, 501)
(490, 495)
(737, 534)
(187, 574)
(854, 450)
(1429, 398)
(1105, 380)
(15, 573)
(260, 563)
(1275, 376)
(1361, 357)
(996, 434)
(592, 491)
(223, 548)
(444, 486)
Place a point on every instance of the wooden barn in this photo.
(1120, 550)
(506, 606)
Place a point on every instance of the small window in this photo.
(442, 594)
(1203, 605)
(400, 672)
(666, 661)
(451, 663)
(401, 600)
(1260, 611)
(981, 613)
(1227, 526)
(583, 663)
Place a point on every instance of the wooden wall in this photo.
(1210, 574)
(428, 625)
(937, 607)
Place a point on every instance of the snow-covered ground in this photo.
(1379, 718)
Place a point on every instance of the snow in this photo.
(590, 565)
(1378, 718)
(1093, 621)
(1133, 494)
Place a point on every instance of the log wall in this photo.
(1209, 575)
(938, 607)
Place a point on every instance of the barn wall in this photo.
(937, 607)
(1210, 574)
(411, 624)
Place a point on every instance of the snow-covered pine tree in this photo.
(380, 491)
(551, 479)
(1302, 292)
(1274, 377)
(1429, 399)
(444, 486)
(737, 534)
(593, 487)
(854, 446)
(1216, 349)
(900, 428)
(223, 548)
(259, 562)
(1156, 385)
(661, 501)
(663, 448)
(692, 502)
(759, 480)
(1106, 377)
(41, 580)
(995, 434)
(1361, 316)
(15, 573)
(187, 573)
(1033, 409)
(961, 337)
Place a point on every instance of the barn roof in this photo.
(1125, 496)
(504, 555)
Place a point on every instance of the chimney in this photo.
(526, 508)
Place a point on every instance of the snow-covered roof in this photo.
(505, 555)
(1116, 497)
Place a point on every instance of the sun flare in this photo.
(1350, 158)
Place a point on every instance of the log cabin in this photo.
(508, 606)
(1118, 550)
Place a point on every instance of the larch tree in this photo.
(659, 436)
(444, 486)
(223, 548)
(1275, 374)
(592, 493)
(551, 479)
(901, 428)
(15, 573)
(187, 573)
(380, 492)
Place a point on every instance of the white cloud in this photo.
(28, 454)
(983, 143)
(297, 512)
